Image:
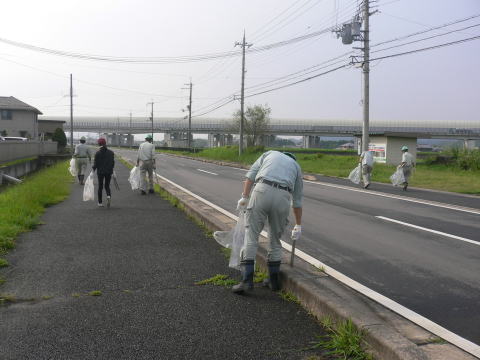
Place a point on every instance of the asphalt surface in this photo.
(144, 256)
(431, 274)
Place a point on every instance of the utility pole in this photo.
(151, 117)
(131, 142)
(243, 44)
(71, 114)
(189, 143)
(366, 77)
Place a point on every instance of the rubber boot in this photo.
(248, 268)
(81, 178)
(274, 275)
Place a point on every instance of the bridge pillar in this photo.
(176, 139)
(216, 140)
(309, 141)
(266, 140)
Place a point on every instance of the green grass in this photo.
(19, 161)
(438, 177)
(22, 205)
(218, 280)
(288, 296)
(343, 340)
(95, 293)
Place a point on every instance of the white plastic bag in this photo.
(233, 240)
(355, 174)
(397, 178)
(89, 188)
(73, 167)
(134, 178)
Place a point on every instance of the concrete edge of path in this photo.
(388, 335)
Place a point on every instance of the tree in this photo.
(256, 121)
(3, 133)
(60, 137)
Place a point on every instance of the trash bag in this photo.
(135, 178)
(233, 240)
(73, 167)
(355, 174)
(89, 188)
(397, 178)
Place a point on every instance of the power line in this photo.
(215, 108)
(428, 48)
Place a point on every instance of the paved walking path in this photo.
(144, 256)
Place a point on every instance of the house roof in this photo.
(11, 103)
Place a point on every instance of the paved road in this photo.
(431, 274)
(144, 256)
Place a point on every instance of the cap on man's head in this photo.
(290, 155)
(102, 142)
(148, 137)
(404, 148)
(83, 138)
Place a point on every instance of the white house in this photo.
(18, 118)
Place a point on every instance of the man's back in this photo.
(146, 151)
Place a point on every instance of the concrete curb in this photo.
(388, 335)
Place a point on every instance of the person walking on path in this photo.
(276, 179)
(146, 160)
(104, 163)
(81, 154)
(366, 160)
(407, 165)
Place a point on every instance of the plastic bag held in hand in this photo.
(233, 240)
(89, 189)
(73, 167)
(296, 232)
(134, 178)
(398, 178)
(355, 174)
(242, 203)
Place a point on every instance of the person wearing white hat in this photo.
(407, 165)
(81, 154)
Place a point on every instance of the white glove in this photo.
(296, 232)
(242, 203)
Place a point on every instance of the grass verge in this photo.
(438, 177)
(343, 340)
(22, 205)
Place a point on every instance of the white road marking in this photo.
(208, 172)
(404, 198)
(418, 319)
(429, 230)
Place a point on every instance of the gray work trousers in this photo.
(266, 203)
(81, 165)
(407, 172)
(366, 173)
(146, 166)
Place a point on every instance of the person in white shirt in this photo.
(407, 165)
(366, 160)
(146, 161)
(81, 154)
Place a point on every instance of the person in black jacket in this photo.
(103, 164)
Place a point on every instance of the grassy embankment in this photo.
(427, 175)
(22, 205)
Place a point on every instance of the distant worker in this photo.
(407, 165)
(277, 183)
(146, 161)
(81, 154)
(366, 160)
(104, 163)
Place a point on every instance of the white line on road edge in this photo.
(429, 230)
(208, 172)
(404, 198)
(418, 319)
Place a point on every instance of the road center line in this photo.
(418, 319)
(208, 172)
(429, 230)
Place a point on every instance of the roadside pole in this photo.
(71, 115)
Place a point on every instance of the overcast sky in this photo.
(442, 84)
